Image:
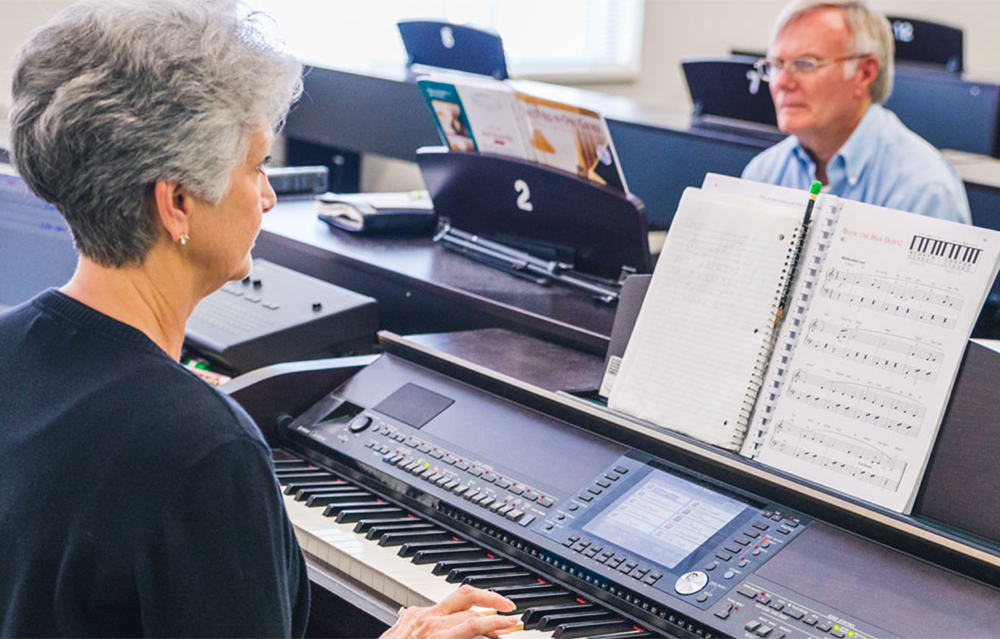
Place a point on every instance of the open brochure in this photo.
(490, 116)
(849, 390)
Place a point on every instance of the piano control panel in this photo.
(642, 523)
(663, 540)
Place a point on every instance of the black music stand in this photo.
(729, 87)
(928, 43)
(535, 221)
(453, 46)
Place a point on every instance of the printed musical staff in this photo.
(910, 301)
(929, 250)
(859, 402)
(841, 456)
(890, 353)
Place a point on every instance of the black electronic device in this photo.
(299, 180)
(947, 110)
(675, 550)
(276, 314)
(551, 215)
(406, 213)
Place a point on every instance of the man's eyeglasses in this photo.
(769, 69)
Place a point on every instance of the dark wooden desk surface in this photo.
(423, 288)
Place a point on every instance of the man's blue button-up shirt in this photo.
(882, 163)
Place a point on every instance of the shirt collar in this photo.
(858, 149)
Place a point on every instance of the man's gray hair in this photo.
(871, 33)
(113, 95)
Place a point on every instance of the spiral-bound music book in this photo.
(849, 388)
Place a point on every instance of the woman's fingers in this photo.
(467, 596)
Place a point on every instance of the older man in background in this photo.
(830, 69)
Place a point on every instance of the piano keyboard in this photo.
(413, 562)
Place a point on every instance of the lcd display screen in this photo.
(664, 518)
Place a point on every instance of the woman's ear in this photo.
(172, 206)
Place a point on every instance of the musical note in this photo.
(894, 354)
(845, 457)
(858, 402)
(911, 301)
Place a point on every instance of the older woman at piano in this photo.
(135, 499)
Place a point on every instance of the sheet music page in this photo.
(702, 336)
(871, 376)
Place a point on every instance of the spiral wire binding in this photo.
(795, 313)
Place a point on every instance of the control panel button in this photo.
(764, 631)
(839, 634)
(545, 502)
(621, 470)
(360, 423)
(752, 534)
(794, 613)
(784, 530)
(810, 621)
(691, 582)
(824, 625)
(586, 498)
(747, 592)
(613, 476)
(759, 525)
(723, 611)
(594, 490)
(476, 472)
(503, 483)
(517, 490)
(752, 625)
(603, 483)
(711, 566)
(526, 520)
(729, 574)
(703, 597)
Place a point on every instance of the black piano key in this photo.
(348, 496)
(286, 478)
(408, 550)
(456, 575)
(445, 567)
(288, 464)
(365, 525)
(278, 455)
(524, 600)
(576, 629)
(351, 515)
(333, 509)
(502, 579)
(305, 493)
(532, 616)
(630, 634)
(434, 555)
(294, 488)
(413, 525)
(538, 586)
(550, 622)
(398, 538)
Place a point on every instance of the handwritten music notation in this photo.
(845, 457)
(910, 301)
(858, 402)
(893, 354)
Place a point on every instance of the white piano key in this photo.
(378, 567)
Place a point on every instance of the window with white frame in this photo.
(575, 40)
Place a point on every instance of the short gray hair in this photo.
(871, 33)
(113, 95)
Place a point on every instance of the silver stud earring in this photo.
(184, 239)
